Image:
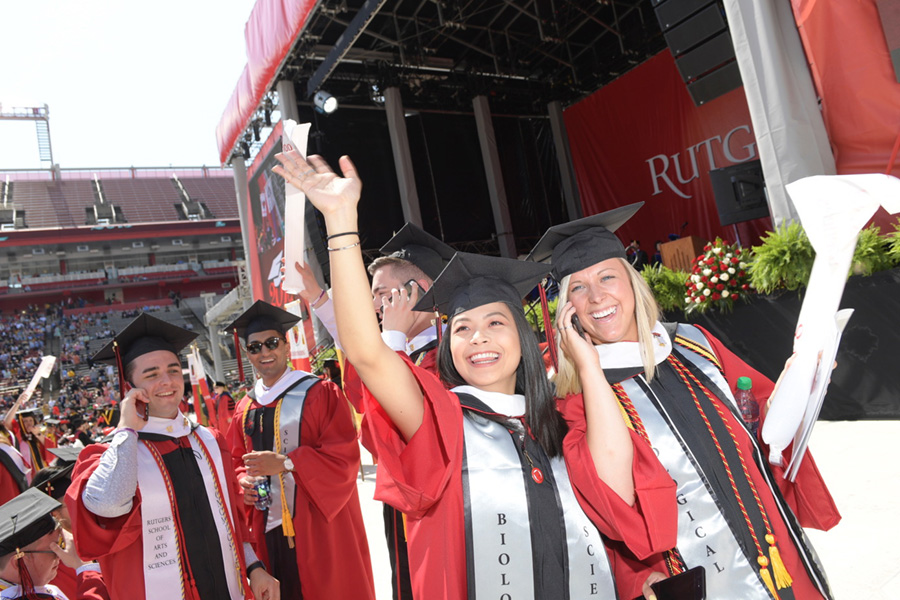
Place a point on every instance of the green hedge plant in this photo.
(667, 286)
(783, 261)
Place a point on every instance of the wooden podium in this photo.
(679, 254)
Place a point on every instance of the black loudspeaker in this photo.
(740, 192)
(697, 35)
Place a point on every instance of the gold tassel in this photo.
(766, 576)
(287, 524)
(782, 577)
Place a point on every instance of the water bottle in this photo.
(747, 404)
(263, 493)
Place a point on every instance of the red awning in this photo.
(269, 34)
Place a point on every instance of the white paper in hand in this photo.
(43, 371)
(833, 209)
(294, 137)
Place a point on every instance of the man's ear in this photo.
(424, 284)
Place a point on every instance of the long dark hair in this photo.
(547, 425)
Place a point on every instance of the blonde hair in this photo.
(646, 313)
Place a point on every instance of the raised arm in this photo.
(11, 413)
(607, 435)
(379, 367)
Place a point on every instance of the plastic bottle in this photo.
(264, 493)
(747, 404)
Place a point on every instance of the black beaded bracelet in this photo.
(337, 235)
(254, 566)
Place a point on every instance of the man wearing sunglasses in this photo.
(294, 432)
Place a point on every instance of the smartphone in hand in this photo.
(690, 585)
(576, 323)
(142, 408)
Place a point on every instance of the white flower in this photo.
(695, 278)
(697, 299)
(687, 299)
(742, 265)
(706, 292)
(724, 277)
(700, 286)
(731, 270)
(717, 250)
(714, 279)
(706, 272)
(724, 293)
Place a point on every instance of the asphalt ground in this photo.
(861, 555)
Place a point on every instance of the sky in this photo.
(127, 83)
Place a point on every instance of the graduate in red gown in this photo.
(478, 469)
(33, 547)
(295, 432)
(411, 258)
(157, 506)
(738, 517)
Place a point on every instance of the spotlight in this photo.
(255, 126)
(325, 102)
(245, 150)
(267, 111)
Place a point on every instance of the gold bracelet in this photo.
(342, 247)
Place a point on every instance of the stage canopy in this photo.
(521, 55)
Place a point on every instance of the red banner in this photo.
(641, 138)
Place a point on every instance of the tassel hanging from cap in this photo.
(439, 330)
(25, 579)
(120, 369)
(548, 328)
(237, 353)
(783, 579)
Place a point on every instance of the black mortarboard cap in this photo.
(25, 519)
(31, 412)
(472, 280)
(65, 455)
(143, 335)
(420, 248)
(54, 481)
(262, 316)
(578, 244)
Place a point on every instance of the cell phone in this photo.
(576, 323)
(143, 409)
(409, 287)
(690, 585)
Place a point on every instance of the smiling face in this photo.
(604, 302)
(159, 374)
(270, 364)
(485, 347)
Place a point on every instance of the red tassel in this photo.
(548, 328)
(122, 383)
(25, 577)
(237, 352)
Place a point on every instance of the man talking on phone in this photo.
(411, 261)
(158, 506)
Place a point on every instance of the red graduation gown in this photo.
(332, 550)
(116, 543)
(423, 479)
(808, 496)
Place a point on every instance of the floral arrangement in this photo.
(718, 278)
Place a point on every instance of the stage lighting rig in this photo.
(325, 102)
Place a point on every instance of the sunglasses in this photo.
(272, 344)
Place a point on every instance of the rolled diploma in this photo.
(833, 210)
(44, 369)
(294, 137)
